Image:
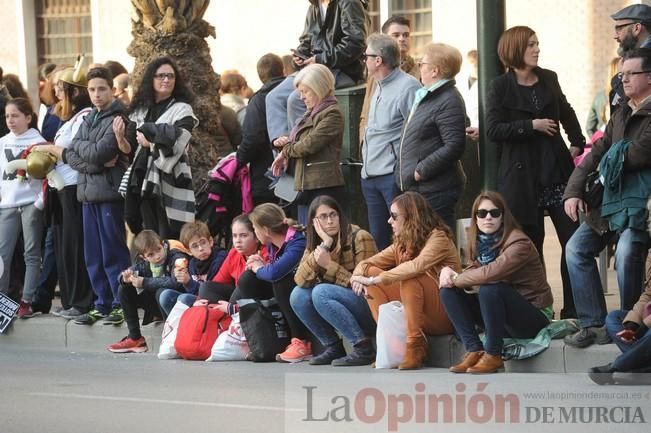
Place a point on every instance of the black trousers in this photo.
(131, 301)
(249, 286)
(68, 234)
(565, 228)
(214, 292)
(154, 218)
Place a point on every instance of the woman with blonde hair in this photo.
(599, 109)
(232, 91)
(505, 291)
(434, 137)
(313, 146)
(408, 271)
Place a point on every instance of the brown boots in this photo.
(416, 354)
(487, 364)
(469, 360)
(478, 363)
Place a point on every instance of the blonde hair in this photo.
(445, 56)
(318, 78)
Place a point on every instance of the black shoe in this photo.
(329, 354)
(363, 354)
(602, 374)
(568, 313)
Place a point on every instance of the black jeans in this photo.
(249, 286)
(131, 301)
(565, 228)
(498, 308)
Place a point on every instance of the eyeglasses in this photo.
(366, 56)
(394, 215)
(628, 74)
(324, 217)
(618, 27)
(203, 242)
(169, 75)
(422, 63)
(483, 213)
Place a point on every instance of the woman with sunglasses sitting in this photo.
(505, 290)
(408, 271)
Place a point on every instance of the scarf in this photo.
(486, 253)
(325, 103)
(202, 267)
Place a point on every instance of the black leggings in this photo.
(249, 286)
(215, 292)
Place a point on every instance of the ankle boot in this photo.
(416, 354)
(469, 360)
(487, 364)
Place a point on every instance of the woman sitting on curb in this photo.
(505, 291)
(408, 271)
(323, 299)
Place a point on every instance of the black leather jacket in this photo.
(340, 40)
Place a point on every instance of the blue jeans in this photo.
(167, 299)
(444, 203)
(379, 192)
(634, 355)
(499, 309)
(328, 308)
(580, 252)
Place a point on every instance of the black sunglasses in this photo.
(483, 213)
(366, 56)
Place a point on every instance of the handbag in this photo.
(593, 195)
(264, 327)
(198, 330)
(230, 345)
(284, 188)
(170, 329)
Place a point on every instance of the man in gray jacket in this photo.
(390, 106)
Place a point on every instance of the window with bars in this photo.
(63, 31)
(419, 12)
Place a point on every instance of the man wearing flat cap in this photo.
(632, 30)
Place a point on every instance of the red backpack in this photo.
(198, 329)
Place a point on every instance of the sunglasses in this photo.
(483, 213)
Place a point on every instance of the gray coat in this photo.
(433, 142)
(93, 147)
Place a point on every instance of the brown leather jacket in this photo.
(518, 264)
(637, 313)
(438, 252)
(317, 151)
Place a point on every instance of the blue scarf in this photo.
(486, 253)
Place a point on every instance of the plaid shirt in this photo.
(359, 245)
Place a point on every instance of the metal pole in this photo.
(491, 22)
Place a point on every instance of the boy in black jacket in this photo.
(141, 284)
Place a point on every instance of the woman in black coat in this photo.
(524, 108)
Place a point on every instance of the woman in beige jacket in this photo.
(408, 271)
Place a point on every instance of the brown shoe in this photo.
(487, 364)
(469, 360)
(416, 354)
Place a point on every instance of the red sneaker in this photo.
(297, 351)
(129, 345)
(25, 310)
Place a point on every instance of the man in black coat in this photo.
(255, 148)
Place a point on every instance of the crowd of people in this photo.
(122, 158)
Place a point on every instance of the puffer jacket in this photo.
(340, 40)
(517, 264)
(94, 147)
(433, 142)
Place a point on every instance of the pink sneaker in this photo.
(297, 351)
(129, 345)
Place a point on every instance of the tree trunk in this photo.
(175, 28)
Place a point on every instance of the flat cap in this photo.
(637, 12)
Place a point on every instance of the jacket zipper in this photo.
(402, 139)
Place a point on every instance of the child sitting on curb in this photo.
(142, 283)
(207, 259)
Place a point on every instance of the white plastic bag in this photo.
(230, 345)
(391, 336)
(170, 329)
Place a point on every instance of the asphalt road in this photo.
(64, 392)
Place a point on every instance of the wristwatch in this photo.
(324, 246)
(454, 279)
